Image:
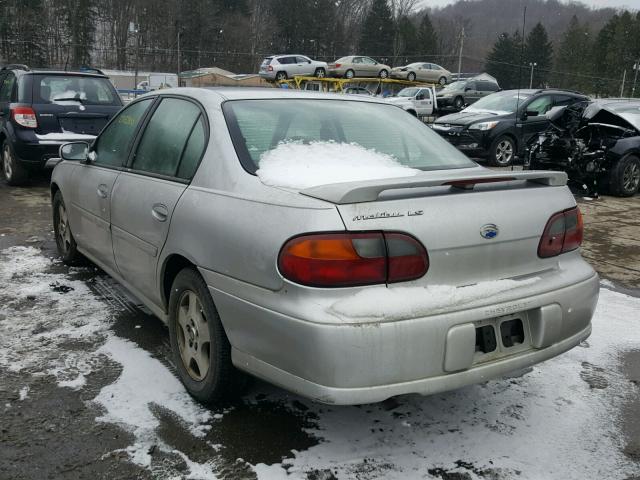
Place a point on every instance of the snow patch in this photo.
(23, 393)
(397, 303)
(298, 165)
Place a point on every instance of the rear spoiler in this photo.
(370, 190)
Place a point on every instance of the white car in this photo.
(417, 101)
(282, 67)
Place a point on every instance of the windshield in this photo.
(75, 89)
(408, 92)
(459, 85)
(502, 102)
(258, 127)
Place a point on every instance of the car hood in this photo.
(467, 117)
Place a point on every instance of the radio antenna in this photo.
(522, 42)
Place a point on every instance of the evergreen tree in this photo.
(377, 34)
(80, 19)
(407, 47)
(428, 43)
(538, 50)
(503, 62)
(574, 57)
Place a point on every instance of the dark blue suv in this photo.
(41, 109)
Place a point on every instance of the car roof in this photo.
(222, 94)
(20, 71)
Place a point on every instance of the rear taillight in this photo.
(270, 68)
(25, 117)
(338, 65)
(351, 259)
(562, 233)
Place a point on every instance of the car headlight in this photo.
(483, 126)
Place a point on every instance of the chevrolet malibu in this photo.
(334, 246)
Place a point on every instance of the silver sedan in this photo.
(332, 245)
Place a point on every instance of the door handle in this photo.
(160, 212)
(102, 191)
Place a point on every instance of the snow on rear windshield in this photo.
(298, 165)
(330, 134)
(87, 90)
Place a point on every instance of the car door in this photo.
(471, 94)
(530, 124)
(146, 193)
(92, 183)
(370, 67)
(304, 66)
(424, 102)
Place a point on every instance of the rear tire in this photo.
(67, 248)
(281, 76)
(201, 349)
(624, 177)
(383, 73)
(14, 173)
(320, 73)
(349, 74)
(502, 151)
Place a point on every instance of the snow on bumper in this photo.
(369, 362)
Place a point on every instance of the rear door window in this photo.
(194, 150)
(485, 86)
(7, 88)
(113, 144)
(165, 137)
(562, 100)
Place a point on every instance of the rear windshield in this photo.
(260, 126)
(74, 88)
(267, 61)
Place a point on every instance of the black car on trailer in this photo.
(499, 126)
(42, 109)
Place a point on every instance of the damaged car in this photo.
(596, 143)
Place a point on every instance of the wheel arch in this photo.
(171, 266)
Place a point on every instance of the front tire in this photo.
(383, 74)
(502, 151)
(442, 81)
(411, 77)
(201, 349)
(67, 248)
(14, 173)
(458, 103)
(624, 177)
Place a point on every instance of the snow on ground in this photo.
(43, 314)
(556, 421)
(298, 165)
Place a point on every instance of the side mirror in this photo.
(74, 151)
(468, 89)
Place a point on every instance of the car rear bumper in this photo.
(351, 363)
(33, 152)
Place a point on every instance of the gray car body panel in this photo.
(231, 226)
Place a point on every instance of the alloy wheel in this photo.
(6, 162)
(631, 177)
(411, 77)
(504, 152)
(194, 341)
(64, 232)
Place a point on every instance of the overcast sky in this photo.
(633, 4)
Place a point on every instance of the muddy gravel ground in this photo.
(87, 388)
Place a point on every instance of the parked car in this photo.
(357, 66)
(41, 109)
(499, 126)
(596, 143)
(357, 91)
(379, 269)
(461, 93)
(422, 72)
(281, 67)
(417, 101)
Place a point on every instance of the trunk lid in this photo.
(72, 117)
(455, 223)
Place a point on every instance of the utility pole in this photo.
(460, 53)
(624, 76)
(179, 65)
(133, 29)
(532, 65)
(636, 67)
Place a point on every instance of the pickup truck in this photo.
(418, 101)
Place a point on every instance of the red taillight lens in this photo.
(270, 68)
(338, 65)
(562, 233)
(25, 117)
(351, 259)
